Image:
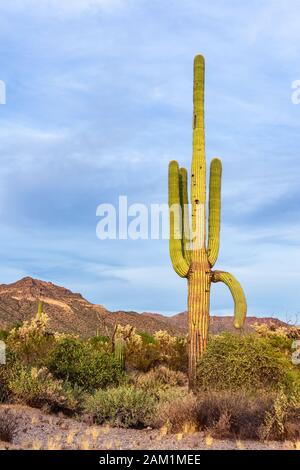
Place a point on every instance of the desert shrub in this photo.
(234, 362)
(100, 343)
(172, 350)
(145, 351)
(159, 377)
(125, 406)
(37, 388)
(31, 340)
(147, 338)
(233, 414)
(145, 359)
(282, 420)
(279, 337)
(177, 411)
(8, 426)
(78, 362)
(7, 370)
(4, 389)
(3, 335)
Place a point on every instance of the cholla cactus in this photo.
(192, 257)
(34, 328)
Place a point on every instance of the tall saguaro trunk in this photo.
(198, 309)
(191, 255)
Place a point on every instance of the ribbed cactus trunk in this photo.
(199, 277)
(192, 256)
(198, 310)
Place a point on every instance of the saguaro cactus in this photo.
(192, 257)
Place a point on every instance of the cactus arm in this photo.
(198, 177)
(184, 201)
(214, 210)
(240, 304)
(179, 263)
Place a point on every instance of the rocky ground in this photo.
(37, 430)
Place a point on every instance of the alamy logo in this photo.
(2, 92)
(2, 353)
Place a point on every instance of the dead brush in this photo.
(179, 414)
(233, 415)
(8, 426)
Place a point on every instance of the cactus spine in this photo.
(191, 256)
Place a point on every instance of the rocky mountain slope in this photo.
(70, 312)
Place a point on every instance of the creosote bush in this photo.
(233, 362)
(79, 363)
(125, 406)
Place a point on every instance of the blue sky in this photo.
(99, 99)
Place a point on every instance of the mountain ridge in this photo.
(70, 312)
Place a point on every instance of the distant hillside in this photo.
(70, 312)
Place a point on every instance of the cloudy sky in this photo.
(99, 99)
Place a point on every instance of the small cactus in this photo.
(119, 351)
(191, 254)
(40, 309)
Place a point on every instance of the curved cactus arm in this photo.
(240, 304)
(179, 263)
(214, 210)
(184, 201)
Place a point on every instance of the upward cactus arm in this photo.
(180, 265)
(240, 304)
(214, 210)
(184, 201)
(198, 176)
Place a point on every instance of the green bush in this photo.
(3, 335)
(78, 362)
(125, 406)
(7, 370)
(234, 362)
(160, 377)
(146, 337)
(37, 388)
(100, 343)
(160, 349)
(145, 359)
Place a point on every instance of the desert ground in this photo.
(37, 430)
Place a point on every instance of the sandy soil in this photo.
(38, 430)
